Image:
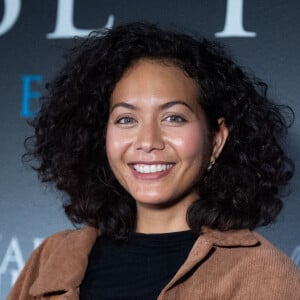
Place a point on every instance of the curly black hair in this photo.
(244, 187)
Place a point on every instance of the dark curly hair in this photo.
(242, 190)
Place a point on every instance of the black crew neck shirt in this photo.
(137, 269)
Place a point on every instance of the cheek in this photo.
(193, 145)
(112, 145)
(117, 143)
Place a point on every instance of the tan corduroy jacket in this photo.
(221, 265)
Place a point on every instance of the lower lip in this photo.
(151, 176)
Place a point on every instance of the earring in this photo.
(210, 165)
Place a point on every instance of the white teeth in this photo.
(152, 168)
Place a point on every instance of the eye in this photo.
(125, 121)
(175, 119)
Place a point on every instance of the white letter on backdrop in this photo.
(64, 27)
(13, 255)
(234, 21)
(12, 10)
(36, 242)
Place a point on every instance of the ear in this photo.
(219, 140)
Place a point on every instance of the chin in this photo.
(156, 201)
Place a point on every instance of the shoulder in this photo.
(61, 243)
(250, 246)
(83, 237)
(265, 270)
(270, 272)
(58, 263)
(274, 260)
(257, 268)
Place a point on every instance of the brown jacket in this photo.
(221, 265)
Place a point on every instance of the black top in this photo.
(136, 269)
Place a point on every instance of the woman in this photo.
(170, 154)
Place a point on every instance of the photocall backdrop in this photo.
(34, 35)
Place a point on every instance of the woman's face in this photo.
(157, 137)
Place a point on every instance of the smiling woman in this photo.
(170, 155)
(158, 147)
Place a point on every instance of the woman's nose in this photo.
(149, 138)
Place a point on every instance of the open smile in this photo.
(151, 168)
(151, 171)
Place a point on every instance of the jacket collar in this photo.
(230, 238)
(63, 261)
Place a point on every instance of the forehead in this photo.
(155, 79)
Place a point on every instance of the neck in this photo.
(152, 219)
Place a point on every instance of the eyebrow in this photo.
(161, 107)
(175, 102)
(123, 104)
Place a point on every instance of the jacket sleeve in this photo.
(20, 290)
